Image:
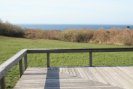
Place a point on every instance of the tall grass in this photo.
(77, 35)
(42, 34)
(100, 36)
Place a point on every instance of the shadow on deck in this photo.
(77, 78)
(52, 79)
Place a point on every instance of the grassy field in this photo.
(9, 46)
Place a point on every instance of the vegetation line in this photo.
(101, 36)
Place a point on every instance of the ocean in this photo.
(63, 27)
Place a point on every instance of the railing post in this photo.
(2, 83)
(21, 67)
(48, 59)
(90, 58)
(25, 61)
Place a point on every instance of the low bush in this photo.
(101, 36)
(42, 34)
(77, 35)
(126, 37)
(8, 29)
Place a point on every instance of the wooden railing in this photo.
(22, 55)
(6, 66)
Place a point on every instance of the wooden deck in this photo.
(77, 78)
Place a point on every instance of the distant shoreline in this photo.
(67, 26)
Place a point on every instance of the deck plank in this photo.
(77, 78)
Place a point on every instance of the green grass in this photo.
(9, 46)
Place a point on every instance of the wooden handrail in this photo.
(7, 65)
(79, 50)
(17, 58)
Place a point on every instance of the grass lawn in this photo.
(9, 46)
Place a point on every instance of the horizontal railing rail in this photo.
(17, 58)
(79, 50)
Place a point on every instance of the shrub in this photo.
(101, 36)
(126, 37)
(53, 34)
(66, 35)
(8, 29)
(77, 35)
(111, 36)
(42, 34)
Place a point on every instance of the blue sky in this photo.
(67, 11)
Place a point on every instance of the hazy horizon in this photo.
(65, 24)
(74, 26)
(88, 12)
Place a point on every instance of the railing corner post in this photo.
(2, 83)
(21, 67)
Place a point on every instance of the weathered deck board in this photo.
(77, 78)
